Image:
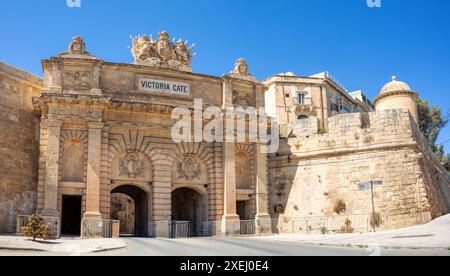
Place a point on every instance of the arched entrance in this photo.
(188, 205)
(129, 204)
(302, 117)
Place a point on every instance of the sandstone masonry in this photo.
(18, 144)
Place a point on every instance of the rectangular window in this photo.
(334, 107)
(301, 98)
(346, 108)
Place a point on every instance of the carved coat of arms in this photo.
(241, 70)
(132, 166)
(77, 46)
(189, 168)
(162, 52)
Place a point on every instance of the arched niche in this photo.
(243, 171)
(73, 160)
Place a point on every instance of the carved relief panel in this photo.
(243, 98)
(132, 166)
(189, 169)
(77, 79)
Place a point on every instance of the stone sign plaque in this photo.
(165, 87)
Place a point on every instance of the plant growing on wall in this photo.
(376, 220)
(322, 131)
(347, 228)
(340, 207)
(36, 228)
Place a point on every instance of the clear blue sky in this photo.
(361, 47)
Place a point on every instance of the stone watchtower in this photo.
(397, 95)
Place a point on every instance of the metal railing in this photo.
(240, 228)
(301, 225)
(170, 229)
(211, 228)
(53, 222)
(320, 225)
(94, 229)
(297, 101)
(247, 227)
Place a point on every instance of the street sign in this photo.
(364, 186)
(368, 185)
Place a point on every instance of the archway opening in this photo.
(129, 205)
(302, 117)
(188, 205)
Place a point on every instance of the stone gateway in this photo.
(90, 144)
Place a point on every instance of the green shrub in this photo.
(36, 228)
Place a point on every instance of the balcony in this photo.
(302, 105)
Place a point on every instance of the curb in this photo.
(26, 249)
(108, 249)
(21, 249)
(386, 247)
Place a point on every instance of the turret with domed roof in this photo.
(397, 95)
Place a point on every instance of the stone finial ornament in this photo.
(162, 52)
(241, 67)
(241, 70)
(77, 46)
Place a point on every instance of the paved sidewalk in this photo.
(74, 246)
(434, 235)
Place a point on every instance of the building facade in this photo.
(291, 98)
(106, 129)
(374, 169)
(93, 141)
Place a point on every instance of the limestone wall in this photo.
(18, 145)
(313, 173)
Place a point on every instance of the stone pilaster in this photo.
(227, 93)
(52, 169)
(218, 181)
(93, 172)
(105, 168)
(230, 218)
(56, 85)
(263, 221)
(162, 185)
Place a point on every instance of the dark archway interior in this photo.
(187, 205)
(140, 198)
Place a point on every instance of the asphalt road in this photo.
(224, 246)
